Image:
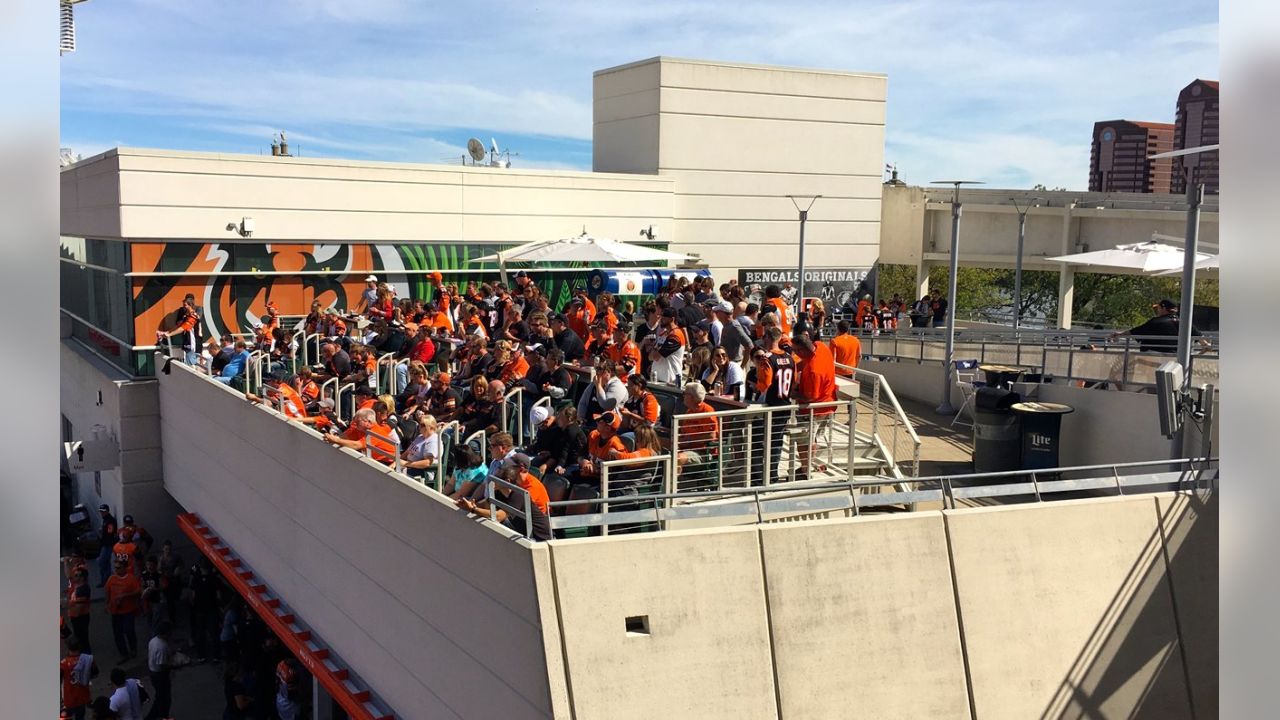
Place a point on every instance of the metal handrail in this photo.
(256, 358)
(518, 393)
(946, 491)
(484, 445)
(370, 449)
(882, 384)
(307, 358)
(659, 463)
(377, 371)
(491, 500)
(395, 376)
(544, 401)
(337, 401)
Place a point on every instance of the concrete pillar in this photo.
(922, 279)
(1066, 295)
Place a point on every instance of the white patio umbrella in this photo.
(1209, 264)
(583, 248)
(1147, 257)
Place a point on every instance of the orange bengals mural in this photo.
(233, 282)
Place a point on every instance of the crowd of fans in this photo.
(458, 354)
(191, 618)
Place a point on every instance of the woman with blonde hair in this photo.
(422, 453)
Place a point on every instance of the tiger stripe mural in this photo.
(233, 282)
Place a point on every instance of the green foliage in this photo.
(1111, 301)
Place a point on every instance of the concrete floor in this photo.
(945, 449)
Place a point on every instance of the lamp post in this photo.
(1017, 274)
(948, 361)
(804, 216)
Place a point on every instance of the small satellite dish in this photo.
(494, 143)
(475, 148)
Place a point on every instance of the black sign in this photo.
(834, 287)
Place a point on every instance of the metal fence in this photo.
(889, 427)
(1086, 356)
(761, 445)
(782, 503)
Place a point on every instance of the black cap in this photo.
(668, 312)
(104, 508)
(556, 317)
(1167, 304)
(519, 460)
(624, 328)
(365, 390)
(272, 377)
(576, 301)
(522, 274)
(128, 519)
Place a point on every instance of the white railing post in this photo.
(337, 401)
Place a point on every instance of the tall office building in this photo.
(1119, 160)
(1196, 125)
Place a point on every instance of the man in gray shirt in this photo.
(160, 665)
(734, 337)
(606, 391)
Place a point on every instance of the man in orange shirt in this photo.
(846, 348)
(514, 364)
(579, 317)
(698, 435)
(356, 436)
(601, 440)
(280, 396)
(126, 551)
(773, 297)
(124, 601)
(77, 669)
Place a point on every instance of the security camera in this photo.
(246, 227)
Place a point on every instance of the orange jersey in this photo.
(514, 370)
(635, 454)
(293, 404)
(626, 356)
(537, 492)
(308, 391)
(580, 322)
(846, 349)
(73, 695)
(128, 553)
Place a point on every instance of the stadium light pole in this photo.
(804, 216)
(948, 361)
(1017, 273)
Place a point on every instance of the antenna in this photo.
(475, 149)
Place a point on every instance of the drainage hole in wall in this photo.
(637, 625)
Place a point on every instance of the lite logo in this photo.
(1040, 441)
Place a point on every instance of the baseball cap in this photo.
(437, 276)
(539, 414)
(327, 403)
(1167, 304)
(556, 317)
(522, 274)
(371, 278)
(365, 390)
(128, 519)
(609, 418)
(519, 460)
(104, 508)
(443, 377)
(724, 307)
(576, 301)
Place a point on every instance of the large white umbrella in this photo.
(1210, 264)
(1147, 257)
(583, 248)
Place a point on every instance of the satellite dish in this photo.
(494, 143)
(476, 149)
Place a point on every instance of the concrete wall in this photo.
(737, 139)
(1067, 610)
(130, 412)
(167, 194)
(439, 614)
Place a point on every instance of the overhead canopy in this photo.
(583, 248)
(1210, 264)
(1146, 257)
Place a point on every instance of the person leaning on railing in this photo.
(698, 435)
(357, 436)
(560, 445)
(537, 527)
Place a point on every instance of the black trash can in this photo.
(997, 439)
(1041, 433)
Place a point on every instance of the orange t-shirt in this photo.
(699, 432)
(309, 391)
(514, 370)
(127, 552)
(124, 594)
(73, 695)
(293, 405)
(579, 321)
(818, 378)
(388, 453)
(847, 349)
(632, 455)
(537, 492)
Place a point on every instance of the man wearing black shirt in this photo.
(939, 308)
(566, 339)
(1160, 333)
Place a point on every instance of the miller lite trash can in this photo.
(1041, 433)
(996, 440)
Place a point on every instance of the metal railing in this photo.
(626, 485)
(307, 357)
(887, 412)
(780, 503)
(544, 401)
(338, 404)
(391, 457)
(385, 385)
(1087, 356)
(516, 392)
(760, 445)
(492, 501)
(253, 370)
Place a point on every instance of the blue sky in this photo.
(1005, 92)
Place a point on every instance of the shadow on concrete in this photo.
(1174, 583)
